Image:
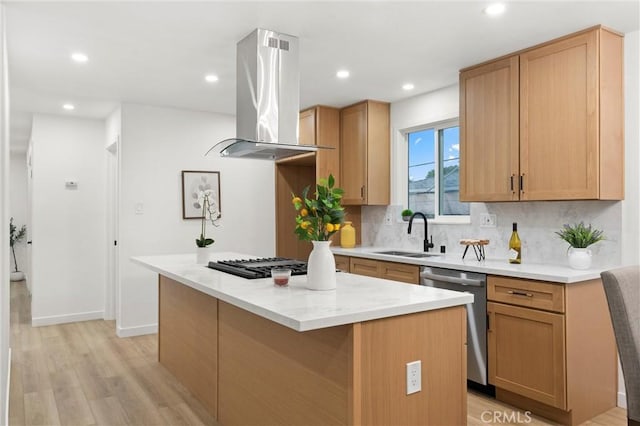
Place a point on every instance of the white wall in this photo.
(69, 238)
(5, 354)
(18, 203)
(631, 203)
(630, 210)
(156, 145)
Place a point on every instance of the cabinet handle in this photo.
(522, 182)
(520, 293)
(362, 192)
(511, 183)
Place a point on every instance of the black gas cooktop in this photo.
(258, 268)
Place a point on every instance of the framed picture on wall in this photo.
(194, 185)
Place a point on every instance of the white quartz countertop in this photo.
(534, 271)
(357, 298)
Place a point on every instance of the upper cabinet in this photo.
(546, 123)
(365, 153)
(489, 122)
(320, 126)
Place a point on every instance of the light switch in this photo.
(139, 208)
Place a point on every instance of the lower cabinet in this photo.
(388, 270)
(342, 263)
(551, 348)
(526, 353)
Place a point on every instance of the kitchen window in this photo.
(434, 171)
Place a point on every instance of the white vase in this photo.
(17, 276)
(202, 255)
(321, 269)
(579, 258)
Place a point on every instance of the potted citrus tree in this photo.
(580, 237)
(317, 220)
(15, 236)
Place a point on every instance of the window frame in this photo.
(436, 126)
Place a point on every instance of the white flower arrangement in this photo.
(210, 212)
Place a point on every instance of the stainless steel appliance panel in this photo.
(475, 284)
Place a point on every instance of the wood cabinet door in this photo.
(361, 266)
(559, 157)
(353, 149)
(489, 127)
(527, 353)
(328, 135)
(342, 263)
(399, 272)
(307, 127)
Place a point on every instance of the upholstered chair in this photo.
(622, 287)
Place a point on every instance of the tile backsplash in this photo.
(537, 223)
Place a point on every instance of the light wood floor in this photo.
(83, 374)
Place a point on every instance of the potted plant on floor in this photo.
(15, 236)
(579, 238)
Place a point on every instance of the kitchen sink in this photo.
(424, 255)
(406, 253)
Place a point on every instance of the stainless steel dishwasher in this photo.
(475, 284)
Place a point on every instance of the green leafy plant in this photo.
(320, 217)
(580, 236)
(15, 236)
(210, 213)
(406, 212)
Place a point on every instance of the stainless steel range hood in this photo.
(267, 99)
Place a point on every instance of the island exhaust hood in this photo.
(267, 99)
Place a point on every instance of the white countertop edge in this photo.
(541, 272)
(311, 324)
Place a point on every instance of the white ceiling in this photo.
(157, 53)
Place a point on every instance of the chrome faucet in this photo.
(427, 244)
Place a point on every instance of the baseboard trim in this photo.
(622, 400)
(8, 389)
(137, 331)
(62, 319)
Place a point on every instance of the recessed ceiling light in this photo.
(69, 107)
(211, 78)
(79, 57)
(407, 86)
(342, 74)
(495, 9)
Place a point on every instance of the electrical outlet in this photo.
(388, 220)
(414, 377)
(488, 220)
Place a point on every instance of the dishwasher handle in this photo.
(452, 280)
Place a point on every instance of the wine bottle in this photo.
(515, 246)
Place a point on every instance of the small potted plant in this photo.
(579, 238)
(210, 212)
(406, 214)
(317, 219)
(15, 236)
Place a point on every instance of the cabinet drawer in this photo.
(342, 263)
(366, 267)
(399, 272)
(531, 294)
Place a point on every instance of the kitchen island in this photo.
(254, 353)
